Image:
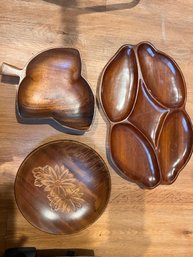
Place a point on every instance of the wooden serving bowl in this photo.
(143, 94)
(62, 187)
(52, 90)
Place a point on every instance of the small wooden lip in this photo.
(52, 90)
(10, 70)
(62, 187)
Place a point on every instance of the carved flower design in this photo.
(61, 187)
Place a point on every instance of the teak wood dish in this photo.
(52, 90)
(62, 187)
(142, 93)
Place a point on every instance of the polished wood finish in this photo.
(52, 88)
(140, 223)
(62, 187)
(143, 94)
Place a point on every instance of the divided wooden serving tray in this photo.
(142, 93)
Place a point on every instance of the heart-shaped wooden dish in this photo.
(62, 187)
(52, 90)
(142, 94)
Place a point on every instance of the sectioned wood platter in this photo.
(142, 93)
(62, 187)
(52, 90)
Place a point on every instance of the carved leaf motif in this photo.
(61, 187)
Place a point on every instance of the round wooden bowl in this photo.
(62, 187)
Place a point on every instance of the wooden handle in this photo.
(9, 70)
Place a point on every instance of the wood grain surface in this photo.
(137, 222)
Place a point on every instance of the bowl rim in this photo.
(56, 142)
